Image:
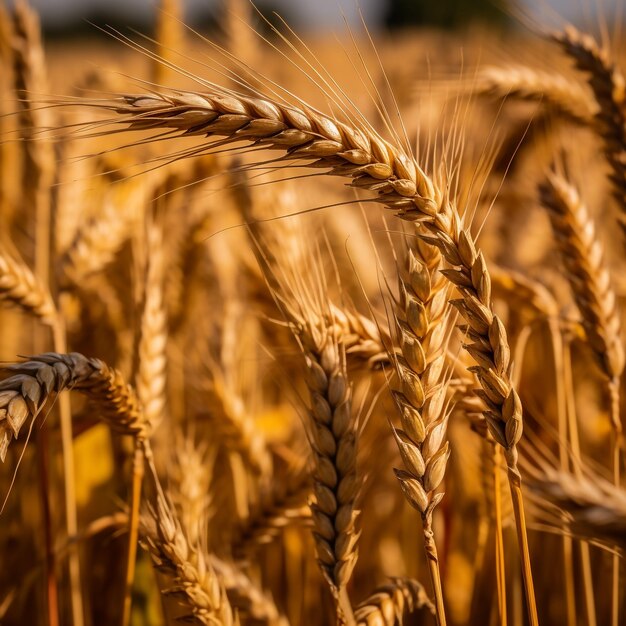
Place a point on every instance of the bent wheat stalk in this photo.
(36, 381)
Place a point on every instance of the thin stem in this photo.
(500, 565)
(433, 566)
(561, 401)
(515, 484)
(572, 424)
(617, 451)
(344, 606)
(71, 520)
(133, 529)
(51, 590)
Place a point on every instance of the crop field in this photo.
(312, 328)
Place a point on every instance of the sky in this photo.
(305, 14)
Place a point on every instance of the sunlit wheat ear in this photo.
(372, 164)
(609, 87)
(423, 325)
(195, 582)
(391, 603)
(302, 134)
(152, 349)
(564, 97)
(20, 288)
(33, 383)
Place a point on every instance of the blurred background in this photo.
(63, 17)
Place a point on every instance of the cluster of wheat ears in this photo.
(291, 331)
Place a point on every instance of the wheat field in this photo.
(312, 330)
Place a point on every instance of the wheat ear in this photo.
(34, 382)
(564, 97)
(609, 87)
(388, 605)
(423, 333)
(593, 508)
(195, 581)
(590, 281)
(20, 287)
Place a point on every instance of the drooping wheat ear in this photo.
(389, 604)
(588, 275)
(245, 596)
(593, 508)
(152, 363)
(564, 97)
(423, 330)
(34, 382)
(302, 133)
(196, 584)
(609, 87)
(371, 163)
(20, 287)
